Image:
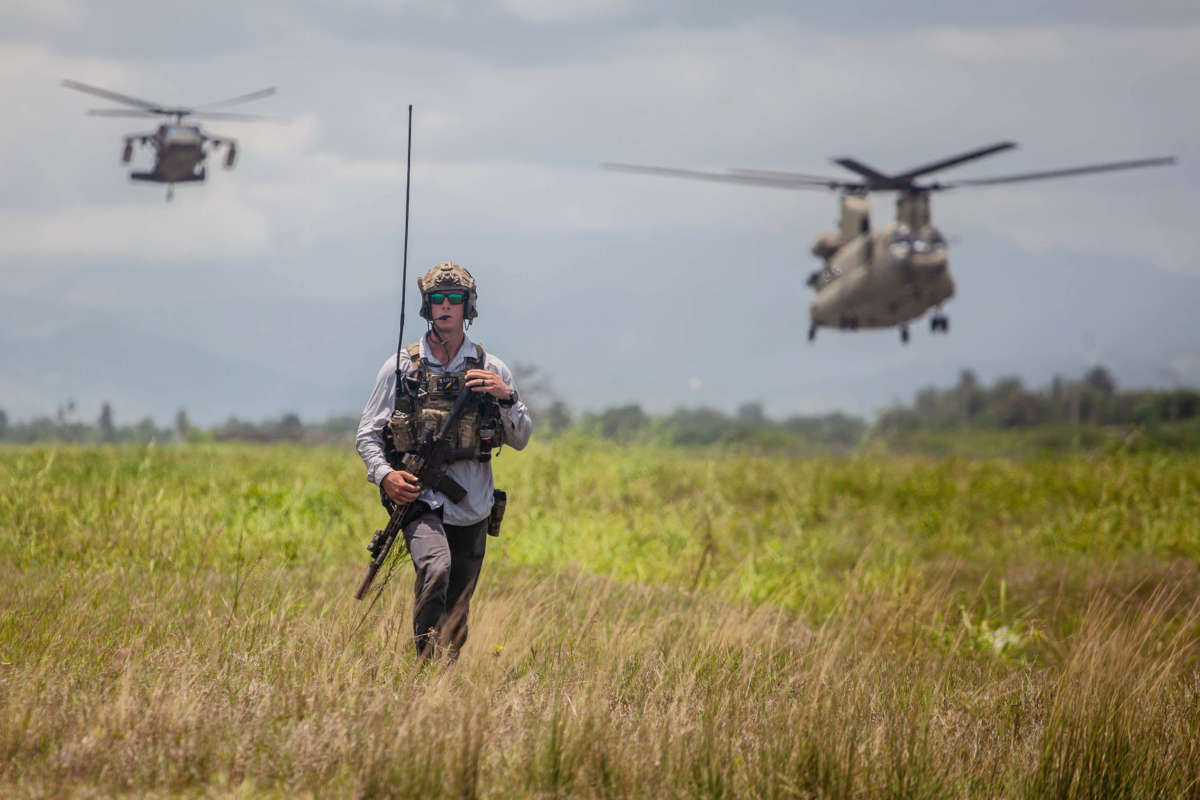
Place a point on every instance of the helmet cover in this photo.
(447, 275)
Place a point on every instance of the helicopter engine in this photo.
(856, 216)
(912, 210)
(827, 244)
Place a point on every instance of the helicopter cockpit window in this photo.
(902, 242)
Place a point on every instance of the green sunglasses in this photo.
(455, 298)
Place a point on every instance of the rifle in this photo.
(428, 462)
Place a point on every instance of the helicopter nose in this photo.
(900, 252)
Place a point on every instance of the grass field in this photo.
(178, 621)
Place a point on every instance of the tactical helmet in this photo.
(447, 275)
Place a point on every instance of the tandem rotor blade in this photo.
(148, 105)
(743, 177)
(875, 178)
(242, 98)
(799, 178)
(955, 160)
(1161, 161)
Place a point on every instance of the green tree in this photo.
(535, 387)
(837, 428)
(290, 427)
(108, 430)
(555, 419)
(696, 426)
(1101, 380)
(622, 423)
(182, 425)
(752, 414)
(969, 396)
(145, 430)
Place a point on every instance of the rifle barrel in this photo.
(372, 569)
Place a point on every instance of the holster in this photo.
(499, 501)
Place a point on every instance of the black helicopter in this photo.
(179, 150)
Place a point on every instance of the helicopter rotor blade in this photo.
(796, 177)
(875, 178)
(242, 98)
(122, 112)
(148, 105)
(1060, 173)
(739, 177)
(230, 115)
(955, 160)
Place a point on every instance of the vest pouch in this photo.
(430, 421)
(401, 429)
(468, 429)
(491, 431)
(499, 501)
(486, 436)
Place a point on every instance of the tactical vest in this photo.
(424, 399)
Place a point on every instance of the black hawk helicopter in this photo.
(887, 277)
(179, 150)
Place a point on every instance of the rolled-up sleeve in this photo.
(375, 416)
(518, 425)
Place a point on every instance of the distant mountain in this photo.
(144, 374)
(611, 319)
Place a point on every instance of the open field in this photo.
(653, 622)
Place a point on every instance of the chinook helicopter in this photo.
(179, 150)
(888, 277)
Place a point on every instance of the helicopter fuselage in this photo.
(880, 279)
(179, 154)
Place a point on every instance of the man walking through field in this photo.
(446, 539)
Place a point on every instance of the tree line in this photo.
(1007, 403)
(65, 426)
(969, 404)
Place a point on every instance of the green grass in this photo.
(178, 621)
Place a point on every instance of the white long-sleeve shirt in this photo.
(472, 475)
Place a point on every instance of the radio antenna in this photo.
(404, 261)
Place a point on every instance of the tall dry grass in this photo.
(573, 685)
(212, 663)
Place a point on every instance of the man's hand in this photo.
(402, 487)
(481, 380)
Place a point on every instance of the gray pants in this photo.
(447, 560)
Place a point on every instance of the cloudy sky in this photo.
(275, 286)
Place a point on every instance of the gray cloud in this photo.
(510, 131)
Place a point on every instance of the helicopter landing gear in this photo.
(170, 192)
(939, 322)
(904, 334)
(812, 332)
